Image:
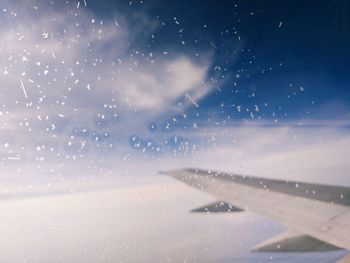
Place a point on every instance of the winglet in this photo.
(291, 241)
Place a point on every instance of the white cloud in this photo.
(317, 153)
(78, 70)
(155, 87)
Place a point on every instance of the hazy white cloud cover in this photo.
(134, 224)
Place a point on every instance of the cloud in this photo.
(316, 152)
(66, 73)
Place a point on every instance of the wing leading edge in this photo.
(320, 213)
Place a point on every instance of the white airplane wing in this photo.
(317, 216)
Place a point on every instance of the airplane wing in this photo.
(317, 216)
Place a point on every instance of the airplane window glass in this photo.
(181, 131)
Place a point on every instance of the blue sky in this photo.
(153, 80)
(274, 48)
(277, 62)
